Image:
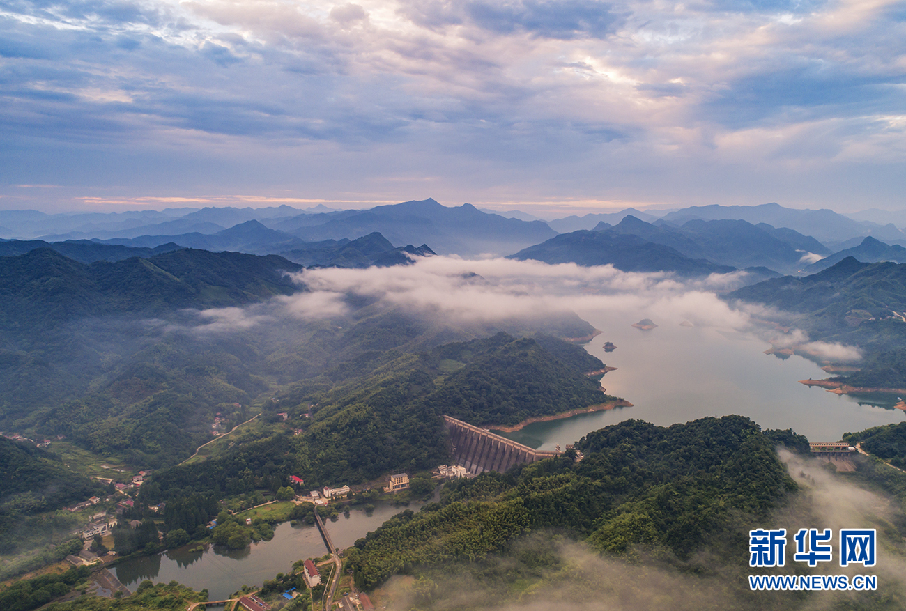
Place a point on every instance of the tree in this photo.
(285, 493)
(176, 538)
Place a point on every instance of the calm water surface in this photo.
(674, 374)
(223, 572)
(671, 374)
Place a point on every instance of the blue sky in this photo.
(565, 105)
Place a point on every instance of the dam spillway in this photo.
(480, 450)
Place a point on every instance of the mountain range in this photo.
(829, 227)
(462, 230)
(767, 236)
(869, 250)
(626, 252)
(695, 248)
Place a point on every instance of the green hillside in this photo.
(852, 303)
(389, 416)
(676, 489)
(33, 479)
(44, 287)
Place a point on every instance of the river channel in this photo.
(673, 374)
(223, 572)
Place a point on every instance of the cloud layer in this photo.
(484, 100)
(456, 291)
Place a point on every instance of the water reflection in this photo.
(187, 558)
(223, 571)
(675, 373)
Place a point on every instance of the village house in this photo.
(398, 481)
(332, 492)
(312, 576)
(452, 471)
(253, 603)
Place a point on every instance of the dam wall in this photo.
(480, 450)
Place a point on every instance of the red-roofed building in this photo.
(312, 576)
(298, 481)
(253, 603)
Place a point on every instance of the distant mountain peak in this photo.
(631, 221)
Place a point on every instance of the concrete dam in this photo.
(480, 450)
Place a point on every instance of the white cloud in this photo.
(497, 289)
(515, 101)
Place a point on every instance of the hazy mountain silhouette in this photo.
(869, 251)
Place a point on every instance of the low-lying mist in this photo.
(551, 571)
(456, 291)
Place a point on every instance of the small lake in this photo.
(223, 571)
(673, 374)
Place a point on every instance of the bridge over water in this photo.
(324, 534)
(480, 450)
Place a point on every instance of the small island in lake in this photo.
(646, 324)
(609, 347)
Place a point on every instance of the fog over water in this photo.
(704, 358)
(712, 364)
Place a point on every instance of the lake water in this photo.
(673, 374)
(223, 571)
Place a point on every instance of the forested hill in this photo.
(390, 418)
(503, 380)
(833, 293)
(84, 251)
(44, 287)
(31, 479)
(852, 303)
(677, 490)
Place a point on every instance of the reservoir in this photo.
(673, 374)
(224, 571)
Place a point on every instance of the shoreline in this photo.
(839, 388)
(582, 340)
(601, 407)
(601, 372)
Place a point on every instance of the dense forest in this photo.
(671, 489)
(887, 442)
(34, 479)
(389, 418)
(34, 485)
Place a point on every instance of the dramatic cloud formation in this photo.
(488, 101)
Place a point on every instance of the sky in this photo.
(569, 105)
